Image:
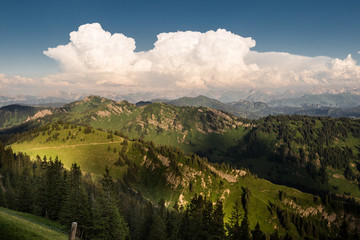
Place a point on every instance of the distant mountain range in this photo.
(339, 105)
(248, 103)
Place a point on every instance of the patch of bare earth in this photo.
(39, 114)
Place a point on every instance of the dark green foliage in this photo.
(299, 146)
(349, 174)
(246, 199)
(87, 130)
(107, 222)
(233, 227)
(217, 226)
(202, 220)
(75, 207)
(158, 229)
(51, 187)
(257, 234)
(244, 228)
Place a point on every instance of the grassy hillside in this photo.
(160, 172)
(22, 226)
(93, 150)
(187, 127)
(281, 149)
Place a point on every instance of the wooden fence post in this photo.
(73, 231)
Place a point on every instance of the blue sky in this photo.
(302, 27)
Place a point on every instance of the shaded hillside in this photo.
(161, 172)
(313, 154)
(13, 115)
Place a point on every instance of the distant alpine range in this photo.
(251, 104)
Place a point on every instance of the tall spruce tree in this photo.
(233, 227)
(158, 229)
(75, 207)
(217, 227)
(108, 223)
(244, 228)
(257, 234)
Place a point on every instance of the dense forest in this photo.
(301, 151)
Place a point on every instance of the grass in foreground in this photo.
(15, 225)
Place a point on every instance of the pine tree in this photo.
(257, 234)
(108, 224)
(244, 228)
(75, 207)
(3, 202)
(173, 223)
(217, 226)
(233, 227)
(158, 229)
(26, 192)
(275, 235)
(10, 194)
(148, 220)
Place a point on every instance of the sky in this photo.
(85, 45)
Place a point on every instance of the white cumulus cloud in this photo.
(189, 60)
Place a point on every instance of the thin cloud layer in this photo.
(97, 59)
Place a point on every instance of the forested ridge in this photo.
(301, 151)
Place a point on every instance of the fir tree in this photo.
(244, 228)
(75, 207)
(233, 227)
(217, 226)
(257, 234)
(108, 224)
(158, 229)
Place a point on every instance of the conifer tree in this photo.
(75, 207)
(26, 192)
(233, 227)
(257, 234)
(108, 224)
(148, 220)
(10, 194)
(217, 226)
(55, 188)
(158, 229)
(3, 202)
(244, 228)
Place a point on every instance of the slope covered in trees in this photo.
(184, 191)
(279, 148)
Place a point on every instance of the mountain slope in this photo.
(161, 172)
(270, 147)
(13, 115)
(243, 109)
